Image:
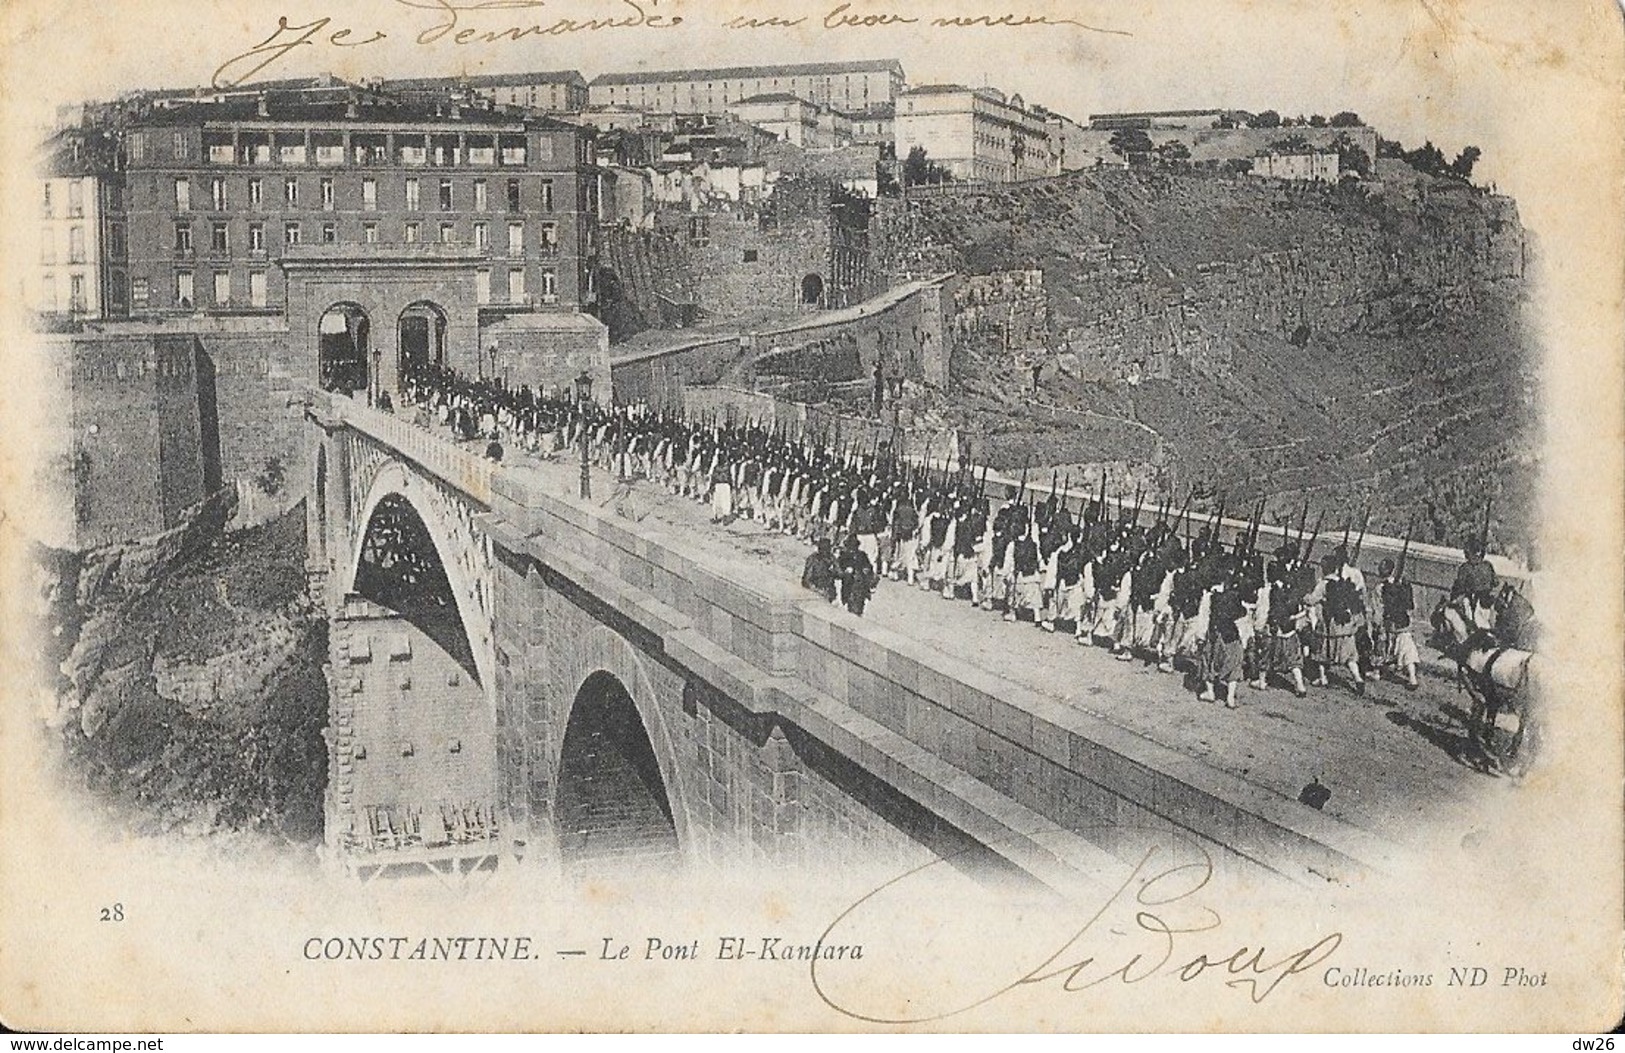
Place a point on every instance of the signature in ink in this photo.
(1154, 923)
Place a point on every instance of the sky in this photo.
(1453, 72)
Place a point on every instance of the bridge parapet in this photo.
(464, 469)
(1002, 762)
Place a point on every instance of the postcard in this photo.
(796, 515)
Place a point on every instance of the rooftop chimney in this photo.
(260, 106)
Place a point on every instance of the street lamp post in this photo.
(583, 395)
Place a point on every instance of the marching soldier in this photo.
(1221, 656)
(1397, 603)
(1341, 596)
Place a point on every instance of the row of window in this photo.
(333, 148)
(77, 300)
(76, 245)
(76, 200)
(411, 234)
(186, 288)
(328, 194)
(741, 89)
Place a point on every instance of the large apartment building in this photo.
(977, 134)
(218, 193)
(850, 87)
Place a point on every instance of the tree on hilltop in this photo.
(1174, 154)
(1292, 144)
(1133, 145)
(1462, 166)
(1267, 119)
(1346, 119)
(1351, 157)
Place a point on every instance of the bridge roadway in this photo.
(1390, 758)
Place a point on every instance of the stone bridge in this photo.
(518, 673)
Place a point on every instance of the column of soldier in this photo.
(1162, 590)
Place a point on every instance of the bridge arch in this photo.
(454, 549)
(617, 743)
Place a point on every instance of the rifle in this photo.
(981, 489)
(1320, 517)
(1054, 479)
(1100, 504)
(1183, 519)
(1484, 534)
(1360, 542)
(1303, 524)
(1022, 492)
(1405, 549)
(1139, 501)
(1252, 529)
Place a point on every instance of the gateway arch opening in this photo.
(422, 337)
(344, 334)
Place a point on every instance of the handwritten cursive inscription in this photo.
(285, 38)
(468, 23)
(1152, 924)
(633, 15)
(449, 26)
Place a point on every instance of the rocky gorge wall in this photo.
(182, 675)
(1146, 269)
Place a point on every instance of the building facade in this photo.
(875, 126)
(549, 91)
(81, 243)
(1302, 167)
(218, 194)
(977, 134)
(795, 120)
(849, 87)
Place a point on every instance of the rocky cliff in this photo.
(1346, 345)
(185, 677)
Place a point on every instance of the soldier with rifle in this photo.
(1341, 598)
(970, 519)
(1025, 595)
(1220, 665)
(1397, 603)
(905, 532)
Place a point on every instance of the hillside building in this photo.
(1302, 167)
(848, 87)
(795, 120)
(977, 134)
(549, 91)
